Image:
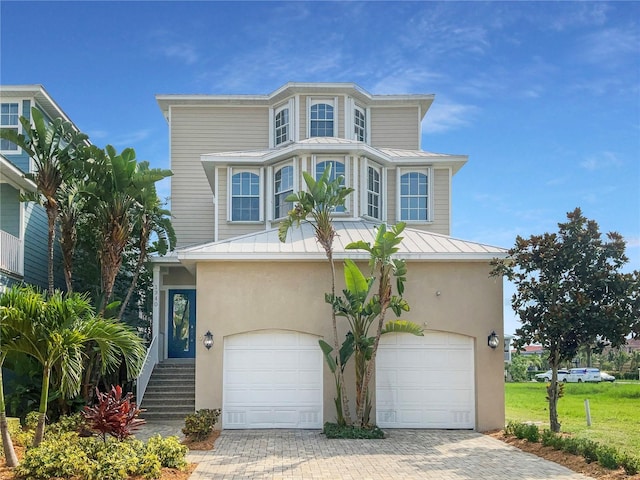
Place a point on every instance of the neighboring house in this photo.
(23, 226)
(234, 159)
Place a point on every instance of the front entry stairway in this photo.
(171, 392)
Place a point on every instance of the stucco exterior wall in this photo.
(238, 297)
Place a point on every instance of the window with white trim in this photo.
(282, 188)
(359, 124)
(9, 119)
(414, 196)
(373, 192)
(337, 169)
(281, 122)
(245, 196)
(321, 119)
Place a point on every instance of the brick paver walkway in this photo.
(404, 454)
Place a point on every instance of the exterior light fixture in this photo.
(493, 341)
(208, 340)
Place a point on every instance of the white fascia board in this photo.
(15, 176)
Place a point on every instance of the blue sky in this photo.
(543, 97)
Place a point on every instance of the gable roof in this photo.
(301, 245)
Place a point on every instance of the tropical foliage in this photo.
(571, 292)
(54, 330)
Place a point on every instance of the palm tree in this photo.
(7, 336)
(54, 329)
(149, 219)
(319, 203)
(70, 209)
(52, 146)
(114, 182)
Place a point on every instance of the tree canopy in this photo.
(571, 291)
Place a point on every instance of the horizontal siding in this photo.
(441, 202)
(196, 131)
(35, 246)
(395, 127)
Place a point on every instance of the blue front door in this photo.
(182, 323)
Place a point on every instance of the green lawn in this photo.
(615, 410)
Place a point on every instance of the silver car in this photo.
(546, 376)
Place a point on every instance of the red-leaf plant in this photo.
(114, 414)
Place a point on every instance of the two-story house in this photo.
(23, 226)
(258, 304)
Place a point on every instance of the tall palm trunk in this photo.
(144, 239)
(44, 400)
(7, 444)
(51, 208)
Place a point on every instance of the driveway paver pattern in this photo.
(404, 454)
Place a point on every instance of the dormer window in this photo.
(321, 119)
(359, 125)
(9, 114)
(282, 125)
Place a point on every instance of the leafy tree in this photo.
(520, 364)
(319, 202)
(570, 292)
(620, 359)
(55, 329)
(52, 146)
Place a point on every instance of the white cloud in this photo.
(601, 161)
(182, 52)
(447, 116)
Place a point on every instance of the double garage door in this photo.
(273, 379)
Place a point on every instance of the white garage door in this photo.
(272, 379)
(425, 382)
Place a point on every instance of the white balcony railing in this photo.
(11, 253)
(150, 361)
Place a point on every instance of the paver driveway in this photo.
(404, 454)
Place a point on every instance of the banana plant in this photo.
(364, 309)
(361, 309)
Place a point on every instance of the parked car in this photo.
(605, 377)
(580, 375)
(546, 376)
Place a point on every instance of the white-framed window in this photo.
(245, 203)
(359, 124)
(282, 129)
(374, 189)
(414, 195)
(283, 186)
(9, 119)
(337, 169)
(321, 118)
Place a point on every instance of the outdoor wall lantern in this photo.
(208, 340)
(493, 341)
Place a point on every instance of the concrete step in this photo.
(171, 392)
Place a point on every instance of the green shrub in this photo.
(66, 423)
(114, 460)
(630, 463)
(607, 456)
(31, 420)
(199, 425)
(589, 450)
(169, 450)
(552, 439)
(59, 457)
(523, 431)
(571, 445)
(333, 430)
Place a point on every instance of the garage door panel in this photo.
(425, 382)
(272, 379)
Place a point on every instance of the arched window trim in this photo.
(342, 161)
(333, 103)
(277, 210)
(370, 195)
(400, 214)
(231, 173)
